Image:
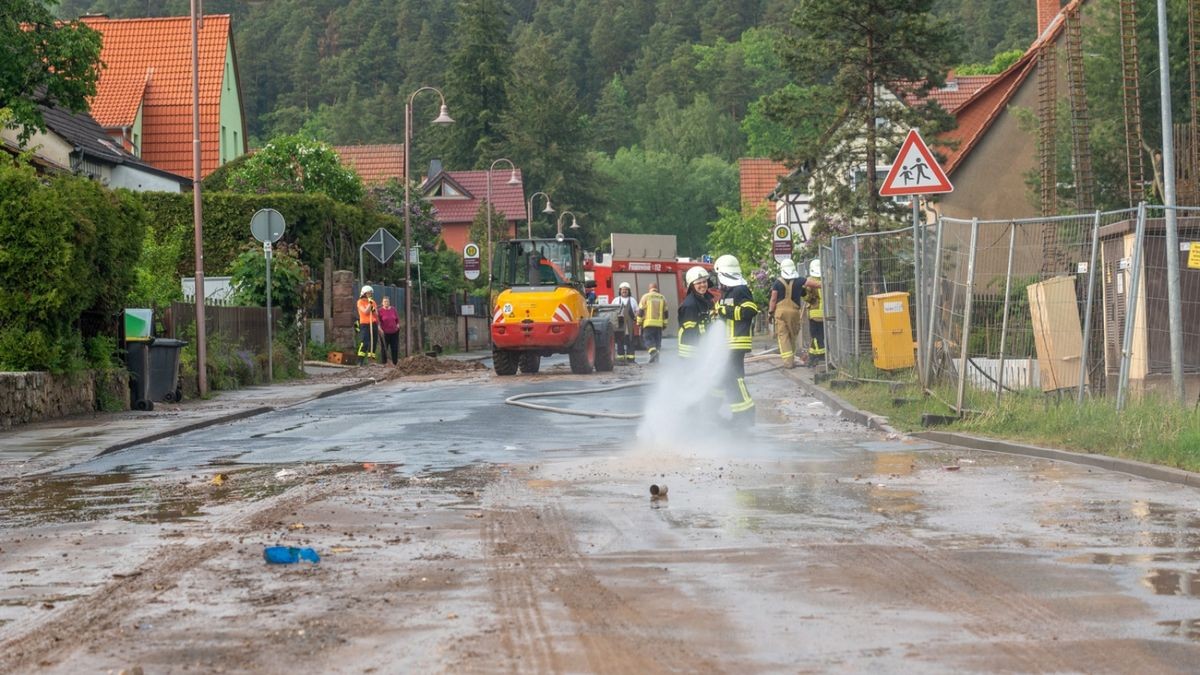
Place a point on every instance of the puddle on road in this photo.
(124, 495)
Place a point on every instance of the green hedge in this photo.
(67, 246)
(319, 225)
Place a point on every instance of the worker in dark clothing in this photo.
(694, 311)
(737, 309)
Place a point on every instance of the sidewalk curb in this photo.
(843, 407)
(1127, 466)
(231, 417)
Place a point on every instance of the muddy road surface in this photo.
(461, 535)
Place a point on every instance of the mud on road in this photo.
(531, 569)
(841, 550)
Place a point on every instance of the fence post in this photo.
(1012, 245)
(1087, 311)
(1131, 306)
(828, 267)
(966, 334)
(857, 291)
(933, 302)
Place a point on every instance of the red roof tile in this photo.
(149, 62)
(507, 199)
(374, 163)
(976, 115)
(760, 176)
(957, 90)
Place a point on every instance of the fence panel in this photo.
(855, 268)
(243, 328)
(1151, 348)
(1025, 286)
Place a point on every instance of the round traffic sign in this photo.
(267, 225)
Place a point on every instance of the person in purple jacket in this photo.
(389, 323)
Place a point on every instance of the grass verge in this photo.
(1149, 430)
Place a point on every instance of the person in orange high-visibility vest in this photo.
(368, 321)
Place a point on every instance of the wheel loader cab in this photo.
(539, 262)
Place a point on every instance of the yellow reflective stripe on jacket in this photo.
(817, 311)
(654, 306)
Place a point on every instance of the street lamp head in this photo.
(444, 116)
(574, 223)
(512, 177)
(549, 209)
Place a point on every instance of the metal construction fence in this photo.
(1071, 306)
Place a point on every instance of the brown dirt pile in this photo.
(419, 364)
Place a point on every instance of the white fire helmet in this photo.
(624, 286)
(787, 270)
(365, 290)
(695, 274)
(729, 271)
(814, 268)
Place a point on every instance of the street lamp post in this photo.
(442, 118)
(529, 212)
(512, 180)
(574, 224)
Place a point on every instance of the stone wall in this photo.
(37, 396)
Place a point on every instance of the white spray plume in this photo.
(686, 410)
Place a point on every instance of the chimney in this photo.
(1046, 11)
(435, 167)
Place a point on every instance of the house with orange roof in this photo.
(458, 195)
(988, 155)
(991, 154)
(144, 94)
(374, 164)
(759, 179)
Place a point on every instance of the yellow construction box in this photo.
(891, 331)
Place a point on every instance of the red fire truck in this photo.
(641, 259)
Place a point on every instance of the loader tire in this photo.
(605, 351)
(505, 361)
(583, 354)
(530, 362)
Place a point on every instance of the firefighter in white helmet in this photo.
(368, 320)
(694, 312)
(787, 298)
(816, 313)
(738, 309)
(652, 317)
(626, 309)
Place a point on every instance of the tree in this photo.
(44, 62)
(297, 164)
(663, 193)
(746, 236)
(545, 129)
(248, 276)
(477, 83)
(872, 55)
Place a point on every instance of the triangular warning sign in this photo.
(915, 171)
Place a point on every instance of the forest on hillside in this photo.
(633, 112)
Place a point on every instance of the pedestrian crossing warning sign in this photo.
(915, 171)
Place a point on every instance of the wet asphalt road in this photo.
(808, 544)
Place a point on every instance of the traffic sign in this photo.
(781, 242)
(471, 261)
(915, 171)
(382, 245)
(267, 225)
